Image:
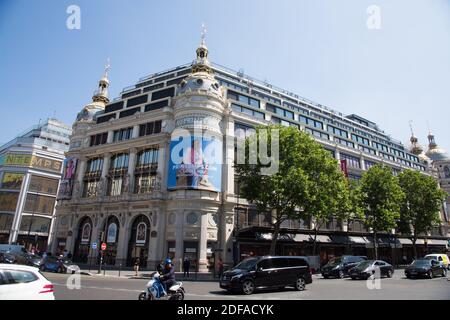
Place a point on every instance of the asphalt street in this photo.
(98, 287)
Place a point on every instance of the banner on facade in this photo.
(195, 163)
(344, 167)
(68, 179)
(12, 181)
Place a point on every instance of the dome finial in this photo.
(101, 94)
(203, 35)
(201, 64)
(416, 148)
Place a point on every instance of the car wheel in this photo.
(389, 274)
(248, 287)
(430, 274)
(300, 284)
(341, 274)
(353, 278)
(444, 272)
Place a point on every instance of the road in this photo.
(398, 287)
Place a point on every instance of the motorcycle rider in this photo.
(168, 275)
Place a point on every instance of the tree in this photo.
(380, 199)
(307, 184)
(352, 210)
(419, 211)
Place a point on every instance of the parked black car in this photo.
(368, 268)
(267, 272)
(6, 257)
(425, 268)
(339, 267)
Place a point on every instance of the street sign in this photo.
(94, 245)
(103, 246)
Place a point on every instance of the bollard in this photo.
(104, 271)
(120, 267)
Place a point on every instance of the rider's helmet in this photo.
(168, 261)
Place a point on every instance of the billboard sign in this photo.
(195, 163)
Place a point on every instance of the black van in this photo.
(267, 272)
(339, 267)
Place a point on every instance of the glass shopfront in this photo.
(81, 251)
(139, 241)
(112, 236)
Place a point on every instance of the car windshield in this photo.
(431, 257)
(363, 265)
(247, 264)
(334, 261)
(421, 263)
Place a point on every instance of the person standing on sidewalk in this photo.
(220, 267)
(137, 262)
(186, 267)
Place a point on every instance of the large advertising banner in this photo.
(12, 181)
(28, 160)
(195, 163)
(68, 178)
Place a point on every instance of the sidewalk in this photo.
(146, 274)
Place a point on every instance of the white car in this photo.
(19, 282)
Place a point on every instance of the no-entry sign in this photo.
(103, 246)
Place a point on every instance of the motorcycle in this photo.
(155, 290)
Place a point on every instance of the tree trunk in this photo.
(375, 245)
(414, 247)
(273, 245)
(315, 242)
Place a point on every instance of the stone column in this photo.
(156, 246)
(122, 245)
(163, 159)
(106, 162)
(202, 260)
(131, 167)
(81, 170)
(110, 136)
(135, 132)
(179, 240)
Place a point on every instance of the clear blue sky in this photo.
(321, 50)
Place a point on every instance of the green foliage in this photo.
(420, 207)
(308, 183)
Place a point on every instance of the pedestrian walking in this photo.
(220, 267)
(186, 267)
(137, 262)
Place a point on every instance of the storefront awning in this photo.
(357, 240)
(437, 242)
(405, 241)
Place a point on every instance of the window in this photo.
(123, 134)
(157, 95)
(380, 146)
(90, 188)
(279, 111)
(147, 157)
(154, 87)
(150, 128)
(369, 164)
(351, 160)
(106, 118)
(119, 161)
(360, 139)
(131, 94)
(94, 165)
(337, 132)
(280, 262)
(387, 156)
(317, 134)
(18, 276)
(311, 122)
(137, 100)
(39, 204)
(144, 183)
(156, 105)
(242, 131)
(114, 107)
(344, 142)
(243, 99)
(248, 111)
(265, 264)
(99, 139)
(367, 150)
(398, 153)
(129, 112)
